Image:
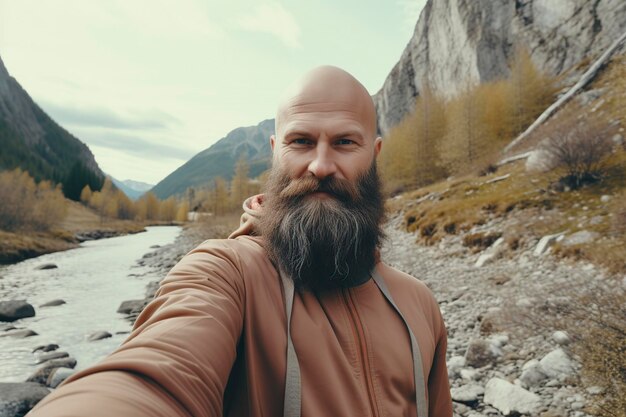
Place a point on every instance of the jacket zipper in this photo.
(361, 349)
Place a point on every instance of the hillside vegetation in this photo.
(573, 187)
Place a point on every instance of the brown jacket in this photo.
(213, 342)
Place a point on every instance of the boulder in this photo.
(532, 374)
(98, 336)
(557, 364)
(511, 399)
(15, 310)
(19, 333)
(561, 338)
(129, 305)
(545, 243)
(50, 356)
(455, 364)
(46, 266)
(17, 399)
(46, 348)
(50, 376)
(467, 394)
(539, 161)
(491, 323)
(481, 353)
(53, 303)
(60, 363)
(580, 238)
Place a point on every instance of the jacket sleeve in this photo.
(177, 360)
(439, 399)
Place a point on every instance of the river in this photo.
(93, 279)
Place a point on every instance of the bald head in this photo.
(324, 90)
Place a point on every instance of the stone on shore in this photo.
(16, 399)
(98, 336)
(46, 348)
(46, 266)
(532, 374)
(15, 309)
(128, 306)
(50, 356)
(561, 338)
(60, 363)
(19, 333)
(511, 399)
(51, 376)
(53, 303)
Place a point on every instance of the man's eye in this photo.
(301, 141)
(344, 142)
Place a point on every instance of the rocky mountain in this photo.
(455, 42)
(461, 42)
(32, 141)
(133, 189)
(219, 160)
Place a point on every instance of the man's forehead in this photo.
(327, 91)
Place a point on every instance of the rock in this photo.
(532, 374)
(59, 363)
(15, 310)
(491, 253)
(46, 266)
(7, 327)
(16, 399)
(469, 374)
(467, 394)
(595, 390)
(57, 376)
(557, 364)
(53, 303)
(155, 246)
(455, 364)
(98, 336)
(19, 333)
(500, 279)
(561, 338)
(605, 198)
(480, 353)
(545, 243)
(539, 161)
(46, 348)
(580, 238)
(50, 356)
(491, 323)
(50, 376)
(511, 399)
(128, 306)
(618, 140)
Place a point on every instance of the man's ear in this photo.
(272, 142)
(378, 144)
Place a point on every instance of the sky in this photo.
(147, 84)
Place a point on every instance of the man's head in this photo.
(324, 207)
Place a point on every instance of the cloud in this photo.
(105, 118)
(274, 19)
(134, 144)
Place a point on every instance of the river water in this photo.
(93, 279)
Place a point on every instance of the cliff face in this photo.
(31, 140)
(463, 42)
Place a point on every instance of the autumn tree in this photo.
(239, 186)
(219, 196)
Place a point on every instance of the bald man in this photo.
(294, 314)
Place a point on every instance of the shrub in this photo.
(578, 146)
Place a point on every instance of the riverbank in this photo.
(80, 224)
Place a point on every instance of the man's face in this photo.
(324, 139)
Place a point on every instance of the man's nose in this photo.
(323, 165)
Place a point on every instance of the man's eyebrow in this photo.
(350, 133)
(297, 133)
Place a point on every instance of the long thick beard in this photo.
(323, 243)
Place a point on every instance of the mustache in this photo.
(340, 188)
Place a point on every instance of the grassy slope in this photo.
(457, 205)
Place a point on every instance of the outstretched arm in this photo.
(177, 360)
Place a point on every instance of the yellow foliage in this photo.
(27, 205)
